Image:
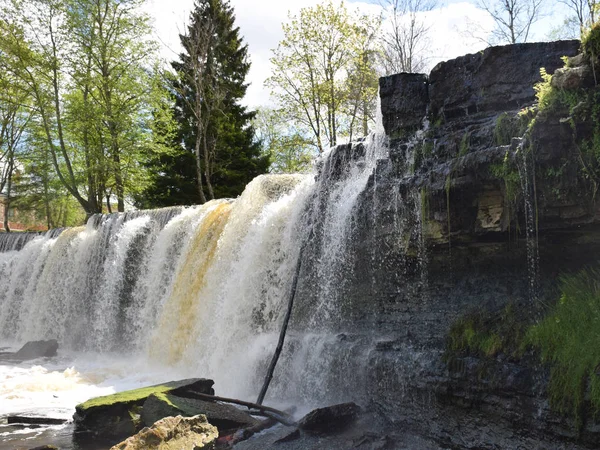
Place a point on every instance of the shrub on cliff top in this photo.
(569, 339)
(590, 41)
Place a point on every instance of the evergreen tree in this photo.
(215, 149)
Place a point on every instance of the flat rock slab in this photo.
(117, 416)
(34, 420)
(32, 350)
(224, 417)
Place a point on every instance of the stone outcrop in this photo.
(173, 433)
(496, 79)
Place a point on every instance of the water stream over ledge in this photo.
(192, 292)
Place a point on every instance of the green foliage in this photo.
(552, 99)
(84, 69)
(580, 105)
(288, 149)
(590, 41)
(569, 340)
(487, 334)
(508, 172)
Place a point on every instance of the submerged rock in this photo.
(32, 350)
(173, 433)
(118, 416)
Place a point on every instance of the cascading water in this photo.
(202, 291)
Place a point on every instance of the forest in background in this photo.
(92, 121)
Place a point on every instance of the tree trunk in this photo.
(199, 164)
(207, 167)
(6, 208)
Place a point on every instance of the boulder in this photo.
(572, 78)
(330, 419)
(225, 417)
(173, 433)
(32, 350)
(117, 416)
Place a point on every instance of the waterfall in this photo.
(203, 290)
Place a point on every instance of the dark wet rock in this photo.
(45, 447)
(330, 418)
(404, 98)
(117, 416)
(32, 350)
(170, 433)
(225, 417)
(291, 436)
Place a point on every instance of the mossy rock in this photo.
(118, 415)
(225, 417)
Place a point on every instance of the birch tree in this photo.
(312, 66)
(405, 41)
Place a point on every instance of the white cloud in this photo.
(260, 24)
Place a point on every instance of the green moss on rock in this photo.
(133, 396)
(487, 334)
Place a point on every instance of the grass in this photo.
(465, 144)
(487, 334)
(569, 340)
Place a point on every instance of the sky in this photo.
(260, 24)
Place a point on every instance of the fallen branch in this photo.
(280, 416)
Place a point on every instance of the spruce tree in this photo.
(215, 148)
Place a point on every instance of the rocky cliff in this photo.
(484, 200)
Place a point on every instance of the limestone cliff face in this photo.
(466, 214)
